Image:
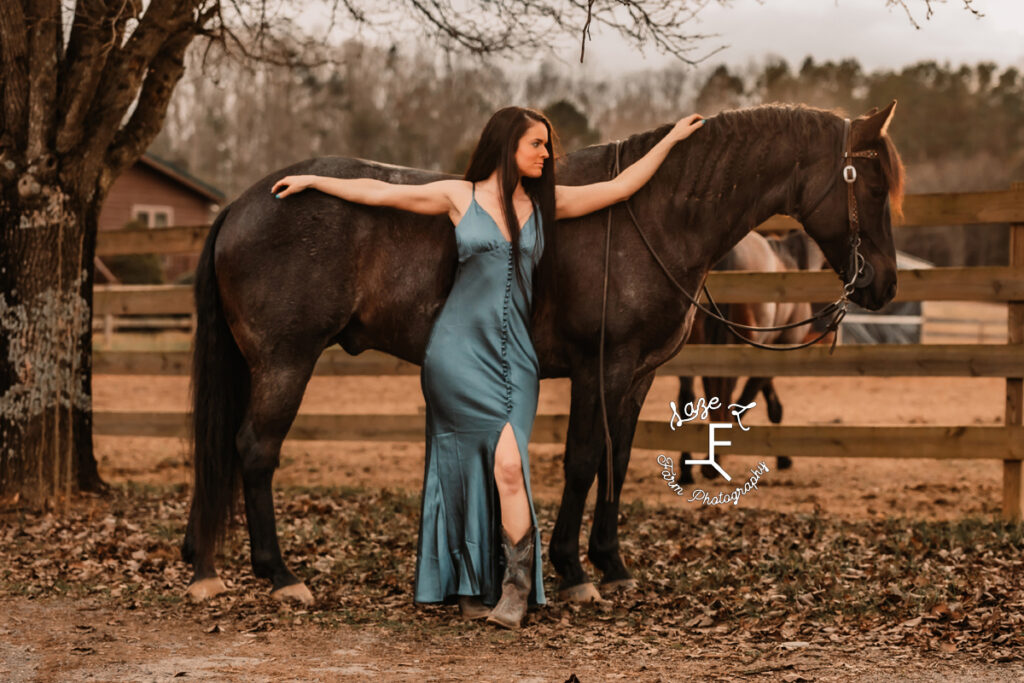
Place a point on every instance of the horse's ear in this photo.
(874, 124)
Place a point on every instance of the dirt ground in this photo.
(86, 638)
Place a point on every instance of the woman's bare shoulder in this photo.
(460, 195)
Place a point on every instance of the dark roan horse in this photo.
(280, 281)
(795, 251)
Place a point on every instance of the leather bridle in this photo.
(859, 270)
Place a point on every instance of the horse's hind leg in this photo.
(276, 394)
(771, 400)
(764, 386)
(775, 415)
(603, 550)
(205, 582)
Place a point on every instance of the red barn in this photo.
(159, 194)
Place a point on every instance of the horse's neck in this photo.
(718, 195)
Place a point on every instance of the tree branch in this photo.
(45, 42)
(146, 121)
(14, 77)
(124, 73)
(928, 10)
(94, 34)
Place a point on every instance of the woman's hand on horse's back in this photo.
(685, 126)
(429, 198)
(292, 184)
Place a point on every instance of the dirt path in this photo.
(64, 640)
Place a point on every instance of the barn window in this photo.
(153, 216)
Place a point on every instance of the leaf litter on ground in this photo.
(760, 581)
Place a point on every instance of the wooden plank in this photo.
(731, 360)
(830, 441)
(333, 362)
(1013, 487)
(989, 283)
(142, 299)
(181, 239)
(964, 208)
(106, 362)
(854, 360)
(958, 208)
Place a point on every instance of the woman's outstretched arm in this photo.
(578, 200)
(429, 198)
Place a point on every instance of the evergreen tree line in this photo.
(958, 128)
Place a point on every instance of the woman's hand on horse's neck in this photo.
(579, 200)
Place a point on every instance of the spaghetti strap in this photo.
(474, 190)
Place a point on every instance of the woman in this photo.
(480, 373)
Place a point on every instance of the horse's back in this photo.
(333, 269)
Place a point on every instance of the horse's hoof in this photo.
(584, 592)
(205, 588)
(619, 585)
(297, 592)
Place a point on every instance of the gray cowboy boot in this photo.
(515, 587)
(470, 607)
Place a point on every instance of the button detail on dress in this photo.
(506, 368)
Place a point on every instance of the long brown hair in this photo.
(496, 149)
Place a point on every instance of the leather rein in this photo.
(860, 272)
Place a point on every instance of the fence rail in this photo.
(828, 441)
(732, 360)
(987, 283)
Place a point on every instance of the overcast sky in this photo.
(834, 29)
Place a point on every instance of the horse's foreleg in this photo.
(721, 388)
(583, 451)
(604, 536)
(686, 396)
(276, 395)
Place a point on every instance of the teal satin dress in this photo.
(479, 372)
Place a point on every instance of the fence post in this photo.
(1013, 503)
(108, 330)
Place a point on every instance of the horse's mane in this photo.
(725, 154)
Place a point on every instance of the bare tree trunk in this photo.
(44, 322)
(87, 471)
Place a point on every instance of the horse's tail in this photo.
(220, 393)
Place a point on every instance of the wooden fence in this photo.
(994, 284)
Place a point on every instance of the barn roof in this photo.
(182, 177)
